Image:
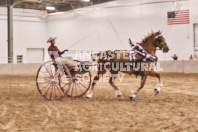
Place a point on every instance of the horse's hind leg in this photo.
(143, 80)
(112, 83)
(96, 78)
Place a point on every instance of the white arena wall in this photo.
(29, 31)
(179, 66)
(110, 28)
(100, 29)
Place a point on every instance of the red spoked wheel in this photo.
(80, 83)
(48, 79)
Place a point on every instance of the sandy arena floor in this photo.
(22, 108)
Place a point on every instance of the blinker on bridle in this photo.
(160, 41)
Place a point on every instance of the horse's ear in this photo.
(158, 33)
(130, 41)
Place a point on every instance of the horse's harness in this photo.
(138, 49)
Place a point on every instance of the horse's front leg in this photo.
(160, 84)
(143, 80)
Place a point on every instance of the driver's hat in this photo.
(50, 39)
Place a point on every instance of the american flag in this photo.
(178, 17)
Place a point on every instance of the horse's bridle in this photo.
(162, 45)
(160, 42)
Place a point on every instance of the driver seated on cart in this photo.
(55, 54)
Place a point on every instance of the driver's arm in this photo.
(60, 53)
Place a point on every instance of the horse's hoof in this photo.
(156, 91)
(119, 96)
(132, 98)
(88, 98)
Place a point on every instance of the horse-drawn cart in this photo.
(55, 80)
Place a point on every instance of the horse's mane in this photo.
(147, 37)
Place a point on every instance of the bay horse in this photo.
(150, 43)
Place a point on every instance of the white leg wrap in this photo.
(117, 92)
(132, 91)
(158, 88)
(89, 95)
(161, 84)
(133, 95)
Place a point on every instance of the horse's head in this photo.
(160, 41)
